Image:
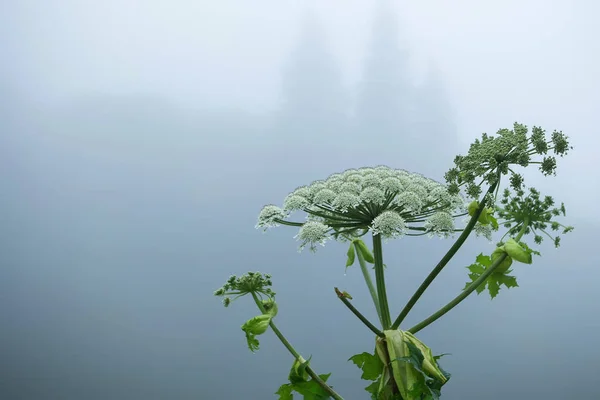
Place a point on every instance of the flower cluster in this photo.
(382, 200)
(493, 156)
(520, 207)
(249, 283)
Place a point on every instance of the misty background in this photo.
(140, 139)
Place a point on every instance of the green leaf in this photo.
(495, 280)
(311, 390)
(372, 388)
(285, 392)
(486, 261)
(364, 251)
(493, 286)
(370, 364)
(508, 281)
(476, 269)
(253, 343)
(351, 255)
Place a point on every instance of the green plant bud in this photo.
(506, 263)
(485, 217)
(517, 252)
(298, 372)
(270, 306)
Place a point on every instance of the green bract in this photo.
(504, 264)
(382, 200)
(413, 367)
(256, 326)
(516, 252)
(486, 217)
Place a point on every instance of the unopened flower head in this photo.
(249, 283)
(382, 200)
(519, 207)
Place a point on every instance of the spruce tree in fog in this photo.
(313, 105)
(385, 92)
(392, 109)
(434, 124)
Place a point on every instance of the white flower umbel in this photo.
(389, 224)
(441, 223)
(269, 215)
(313, 233)
(381, 200)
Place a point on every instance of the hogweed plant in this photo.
(483, 189)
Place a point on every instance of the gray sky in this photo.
(138, 147)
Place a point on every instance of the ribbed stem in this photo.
(380, 281)
(447, 257)
(463, 295)
(364, 320)
(367, 275)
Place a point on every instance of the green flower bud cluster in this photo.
(381, 200)
(518, 207)
(492, 156)
(249, 283)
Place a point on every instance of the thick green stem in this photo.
(466, 292)
(367, 275)
(297, 355)
(364, 320)
(447, 257)
(380, 281)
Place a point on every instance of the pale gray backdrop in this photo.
(139, 140)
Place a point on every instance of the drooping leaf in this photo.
(351, 255)
(370, 364)
(364, 251)
(253, 343)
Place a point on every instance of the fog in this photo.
(140, 139)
